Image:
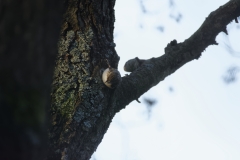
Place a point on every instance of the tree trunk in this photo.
(29, 32)
(81, 110)
(82, 106)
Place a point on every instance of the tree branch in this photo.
(154, 70)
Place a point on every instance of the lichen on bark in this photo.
(71, 75)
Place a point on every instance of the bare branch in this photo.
(176, 55)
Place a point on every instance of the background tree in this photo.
(29, 31)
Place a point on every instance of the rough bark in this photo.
(82, 106)
(29, 31)
(81, 111)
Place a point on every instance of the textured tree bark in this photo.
(29, 31)
(82, 106)
(81, 110)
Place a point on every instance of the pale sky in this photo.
(200, 119)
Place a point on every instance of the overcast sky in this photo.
(197, 114)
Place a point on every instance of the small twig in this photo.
(138, 101)
(236, 20)
(225, 31)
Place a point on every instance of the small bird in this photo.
(111, 77)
